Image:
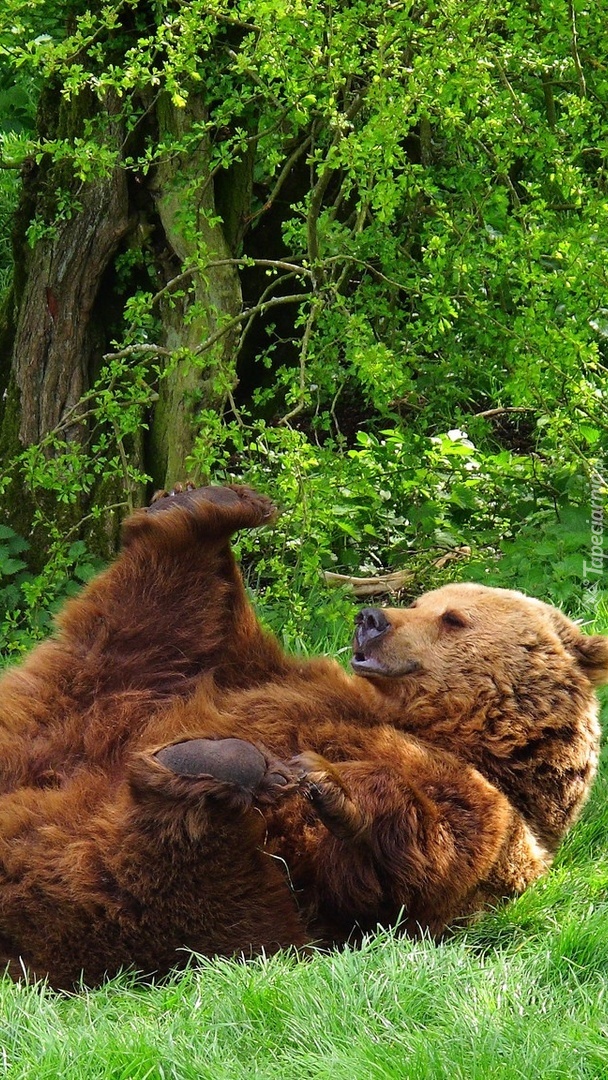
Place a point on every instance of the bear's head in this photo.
(499, 678)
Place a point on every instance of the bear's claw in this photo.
(320, 782)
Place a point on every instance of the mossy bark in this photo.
(183, 194)
(51, 343)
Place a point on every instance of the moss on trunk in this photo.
(183, 194)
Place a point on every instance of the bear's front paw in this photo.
(322, 784)
(230, 768)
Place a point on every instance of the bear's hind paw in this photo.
(225, 769)
(188, 514)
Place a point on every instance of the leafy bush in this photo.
(29, 601)
(550, 560)
(414, 200)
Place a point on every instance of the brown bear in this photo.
(171, 781)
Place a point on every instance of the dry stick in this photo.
(369, 586)
(505, 409)
(392, 582)
(135, 350)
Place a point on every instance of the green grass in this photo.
(522, 993)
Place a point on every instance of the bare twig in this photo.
(284, 173)
(549, 100)
(125, 467)
(136, 350)
(270, 288)
(372, 269)
(505, 409)
(507, 85)
(312, 315)
(258, 309)
(272, 264)
(575, 53)
(75, 529)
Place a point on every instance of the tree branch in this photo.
(318, 192)
(136, 350)
(284, 173)
(575, 54)
(312, 315)
(258, 309)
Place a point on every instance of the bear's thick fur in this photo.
(171, 781)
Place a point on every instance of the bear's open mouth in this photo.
(363, 664)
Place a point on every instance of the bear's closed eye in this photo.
(454, 619)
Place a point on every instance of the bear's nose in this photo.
(371, 623)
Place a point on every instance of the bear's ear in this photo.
(590, 650)
(592, 654)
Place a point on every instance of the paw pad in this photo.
(231, 761)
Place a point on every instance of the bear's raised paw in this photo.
(188, 512)
(256, 509)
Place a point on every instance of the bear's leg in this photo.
(173, 604)
(134, 873)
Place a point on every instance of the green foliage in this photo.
(550, 559)
(396, 500)
(421, 250)
(29, 601)
(17, 113)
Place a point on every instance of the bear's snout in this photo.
(370, 623)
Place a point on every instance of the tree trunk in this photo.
(54, 341)
(53, 338)
(183, 194)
